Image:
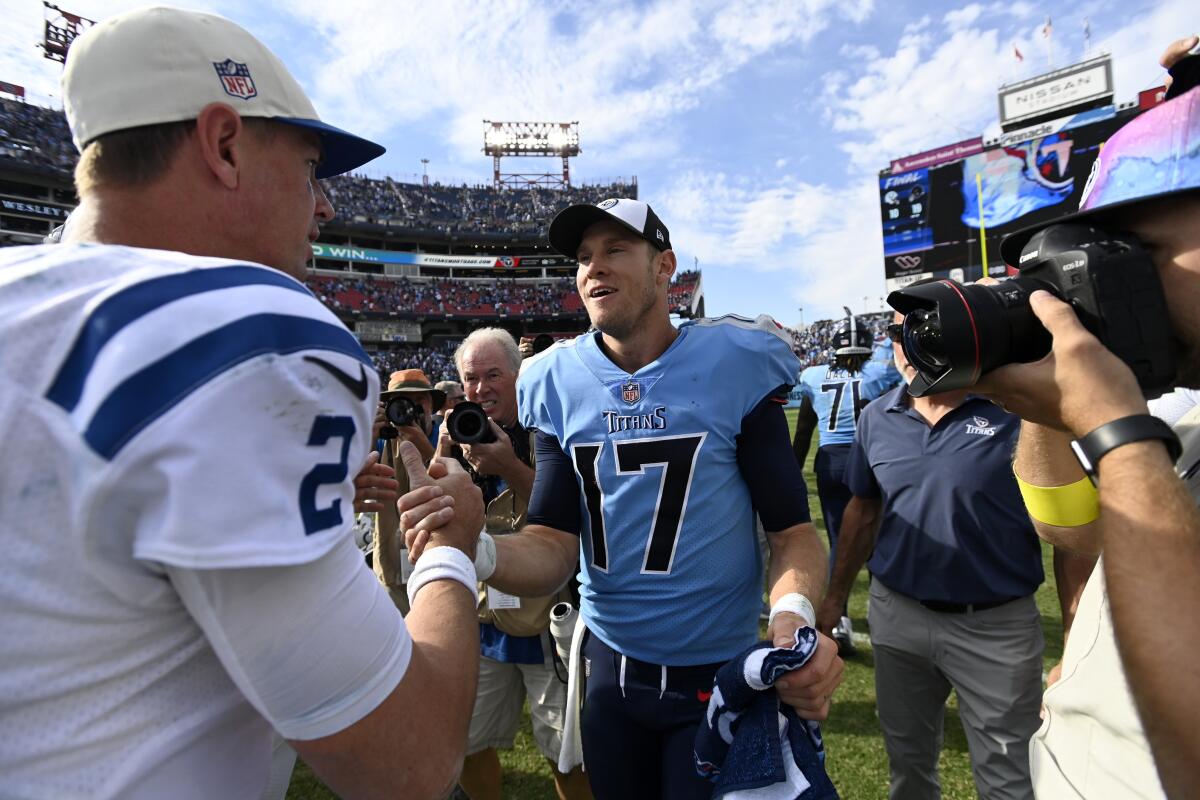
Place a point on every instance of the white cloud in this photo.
(821, 244)
(918, 26)
(962, 17)
(857, 52)
(623, 73)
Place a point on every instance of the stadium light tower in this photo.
(541, 139)
(61, 29)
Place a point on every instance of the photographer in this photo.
(405, 414)
(516, 654)
(1122, 662)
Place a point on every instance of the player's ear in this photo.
(221, 137)
(666, 265)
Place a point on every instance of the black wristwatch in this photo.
(1126, 430)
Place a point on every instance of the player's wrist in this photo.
(794, 603)
(440, 563)
(485, 556)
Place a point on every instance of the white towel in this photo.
(570, 755)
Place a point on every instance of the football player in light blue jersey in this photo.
(656, 446)
(832, 395)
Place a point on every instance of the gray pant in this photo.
(993, 661)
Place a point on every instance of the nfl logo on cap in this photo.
(631, 392)
(235, 79)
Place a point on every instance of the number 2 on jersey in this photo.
(318, 519)
(676, 456)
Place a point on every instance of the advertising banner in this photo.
(348, 253)
(12, 88)
(931, 158)
(1060, 90)
(31, 209)
(1056, 125)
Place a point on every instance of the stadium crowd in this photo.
(437, 362)
(814, 344)
(458, 209)
(475, 297)
(30, 134)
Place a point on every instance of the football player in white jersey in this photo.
(181, 426)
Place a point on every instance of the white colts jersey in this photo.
(157, 411)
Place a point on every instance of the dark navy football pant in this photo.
(639, 726)
(830, 466)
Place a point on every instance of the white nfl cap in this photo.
(159, 65)
(566, 231)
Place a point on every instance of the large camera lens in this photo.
(954, 333)
(468, 424)
(922, 341)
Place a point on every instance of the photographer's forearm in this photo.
(535, 561)
(1151, 533)
(519, 477)
(1044, 458)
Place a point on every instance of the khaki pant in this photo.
(992, 659)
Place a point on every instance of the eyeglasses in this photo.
(895, 332)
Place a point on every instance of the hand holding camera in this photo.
(953, 333)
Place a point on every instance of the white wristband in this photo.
(485, 556)
(439, 564)
(794, 603)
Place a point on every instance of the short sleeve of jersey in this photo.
(859, 475)
(751, 357)
(805, 387)
(238, 446)
(538, 403)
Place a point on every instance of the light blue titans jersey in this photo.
(836, 397)
(670, 570)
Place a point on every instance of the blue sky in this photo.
(755, 129)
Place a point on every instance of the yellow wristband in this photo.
(1065, 506)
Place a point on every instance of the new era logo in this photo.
(235, 79)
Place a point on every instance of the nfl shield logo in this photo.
(631, 392)
(235, 79)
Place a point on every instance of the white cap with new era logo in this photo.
(567, 229)
(157, 65)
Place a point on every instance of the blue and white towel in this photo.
(752, 746)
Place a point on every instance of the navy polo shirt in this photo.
(954, 527)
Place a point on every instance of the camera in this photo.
(954, 333)
(402, 411)
(469, 424)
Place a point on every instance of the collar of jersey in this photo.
(606, 371)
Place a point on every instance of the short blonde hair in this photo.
(130, 158)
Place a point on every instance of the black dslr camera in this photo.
(469, 424)
(955, 333)
(401, 411)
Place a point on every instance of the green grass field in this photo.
(856, 758)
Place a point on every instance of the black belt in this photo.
(943, 607)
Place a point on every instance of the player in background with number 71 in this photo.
(676, 436)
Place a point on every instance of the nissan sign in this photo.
(1057, 92)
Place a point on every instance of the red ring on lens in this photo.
(974, 330)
